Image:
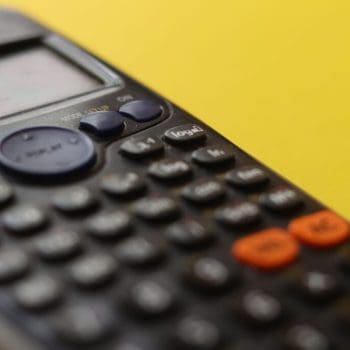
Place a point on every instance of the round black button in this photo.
(46, 151)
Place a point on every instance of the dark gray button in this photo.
(212, 156)
(6, 193)
(149, 299)
(185, 134)
(139, 147)
(59, 244)
(24, 219)
(37, 293)
(168, 170)
(204, 192)
(156, 208)
(247, 177)
(94, 271)
(281, 199)
(74, 200)
(13, 264)
(47, 151)
(103, 123)
(238, 214)
(109, 225)
(85, 324)
(123, 184)
(141, 110)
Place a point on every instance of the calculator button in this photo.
(321, 230)
(47, 151)
(81, 324)
(259, 308)
(13, 264)
(109, 225)
(58, 244)
(74, 200)
(24, 218)
(197, 333)
(212, 156)
(204, 192)
(150, 299)
(156, 208)
(6, 193)
(140, 252)
(185, 134)
(141, 110)
(281, 199)
(306, 337)
(317, 285)
(208, 274)
(103, 124)
(270, 249)
(189, 233)
(238, 214)
(123, 184)
(37, 293)
(138, 147)
(168, 170)
(247, 177)
(94, 270)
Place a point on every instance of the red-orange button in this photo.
(267, 250)
(323, 229)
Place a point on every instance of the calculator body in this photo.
(129, 224)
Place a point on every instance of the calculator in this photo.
(128, 224)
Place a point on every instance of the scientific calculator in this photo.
(128, 224)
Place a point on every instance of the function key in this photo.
(82, 325)
(6, 193)
(208, 274)
(258, 308)
(94, 270)
(281, 199)
(123, 184)
(138, 147)
(306, 337)
(212, 156)
(140, 252)
(150, 299)
(323, 229)
(190, 233)
(74, 200)
(156, 208)
(169, 170)
(141, 110)
(197, 333)
(204, 192)
(13, 264)
(247, 177)
(238, 214)
(103, 124)
(23, 219)
(58, 245)
(109, 225)
(270, 249)
(184, 135)
(37, 293)
(317, 286)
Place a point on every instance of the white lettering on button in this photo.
(207, 188)
(240, 212)
(195, 129)
(215, 153)
(249, 174)
(282, 196)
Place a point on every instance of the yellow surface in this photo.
(272, 75)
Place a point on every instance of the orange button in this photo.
(267, 250)
(321, 230)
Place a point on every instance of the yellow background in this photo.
(272, 75)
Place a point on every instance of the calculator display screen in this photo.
(37, 76)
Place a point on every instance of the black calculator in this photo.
(128, 224)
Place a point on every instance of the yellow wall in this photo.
(272, 75)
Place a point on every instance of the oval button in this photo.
(46, 151)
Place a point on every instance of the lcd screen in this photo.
(37, 76)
